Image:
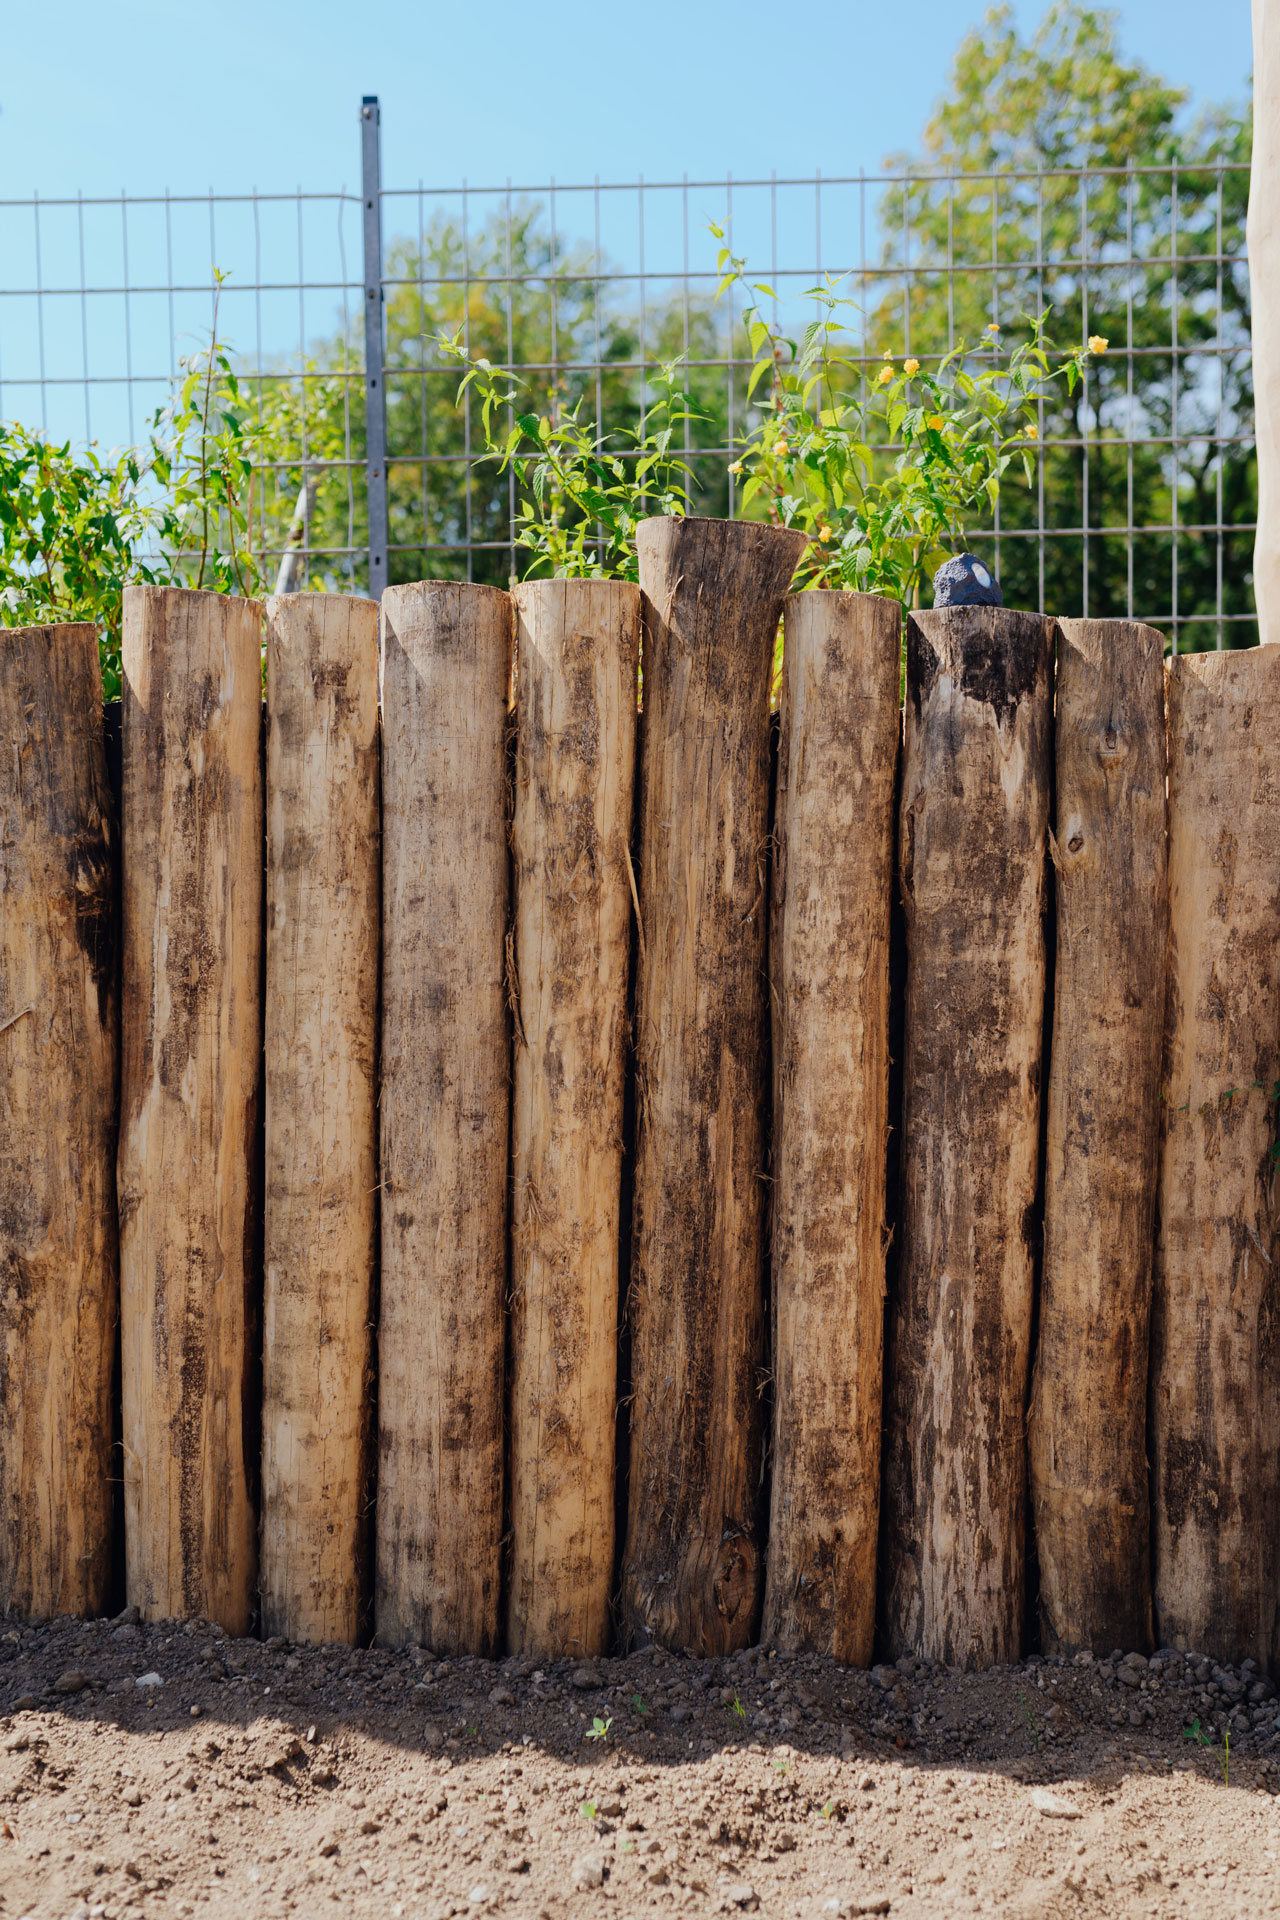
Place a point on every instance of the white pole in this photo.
(1264, 283)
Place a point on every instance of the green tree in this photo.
(1125, 254)
(521, 297)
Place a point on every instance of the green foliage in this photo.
(204, 448)
(599, 1728)
(1149, 224)
(1195, 1732)
(886, 471)
(70, 523)
(580, 499)
(76, 529)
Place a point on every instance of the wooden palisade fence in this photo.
(401, 1294)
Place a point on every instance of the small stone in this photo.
(73, 1681)
(148, 1680)
(1052, 1805)
(502, 1697)
(194, 1712)
(585, 1678)
(964, 581)
(679, 1712)
(132, 1797)
(478, 1896)
(128, 1617)
(432, 1735)
(24, 1703)
(871, 1903)
(17, 1743)
(587, 1870)
(885, 1677)
(329, 1846)
(741, 1894)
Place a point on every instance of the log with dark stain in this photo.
(1088, 1428)
(713, 599)
(58, 1065)
(972, 855)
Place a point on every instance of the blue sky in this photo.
(144, 94)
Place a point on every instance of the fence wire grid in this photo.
(1144, 502)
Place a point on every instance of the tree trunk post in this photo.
(58, 1071)
(829, 962)
(972, 854)
(445, 1114)
(1088, 1425)
(321, 1160)
(577, 646)
(1215, 1369)
(190, 1067)
(713, 598)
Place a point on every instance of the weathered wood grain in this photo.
(713, 597)
(829, 966)
(190, 1080)
(972, 855)
(58, 1075)
(445, 1115)
(1088, 1423)
(323, 883)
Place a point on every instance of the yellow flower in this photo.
(910, 367)
(824, 531)
(884, 376)
(935, 421)
(1031, 431)
(1096, 343)
(888, 353)
(735, 466)
(993, 326)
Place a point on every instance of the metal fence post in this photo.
(375, 399)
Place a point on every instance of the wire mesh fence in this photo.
(1144, 499)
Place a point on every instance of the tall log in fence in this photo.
(445, 1114)
(320, 1158)
(1089, 1402)
(58, 1066)
(577, 645)
(829, 964)
(1215, 1368)
(975, 811)
(190, 1066)
(713, 598)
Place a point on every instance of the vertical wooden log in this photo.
(445, 1114)
(713, 597)
(972, 852)
(1215, 1369)
(577, 645)
(1088, 1426)
(323, 879)
(58, 1064)
(829, 962)
(190, 1067)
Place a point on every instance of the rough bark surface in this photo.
(1088, 1427)
(829, 965)
(445, 1114)
(1215, 1370)
(58, 1067)
(972, 853)
(577, 646)
(190, 1066)
(323, 873)
(713, 597)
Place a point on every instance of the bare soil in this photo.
(171, 1771)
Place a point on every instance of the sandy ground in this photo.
(171, 1771)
